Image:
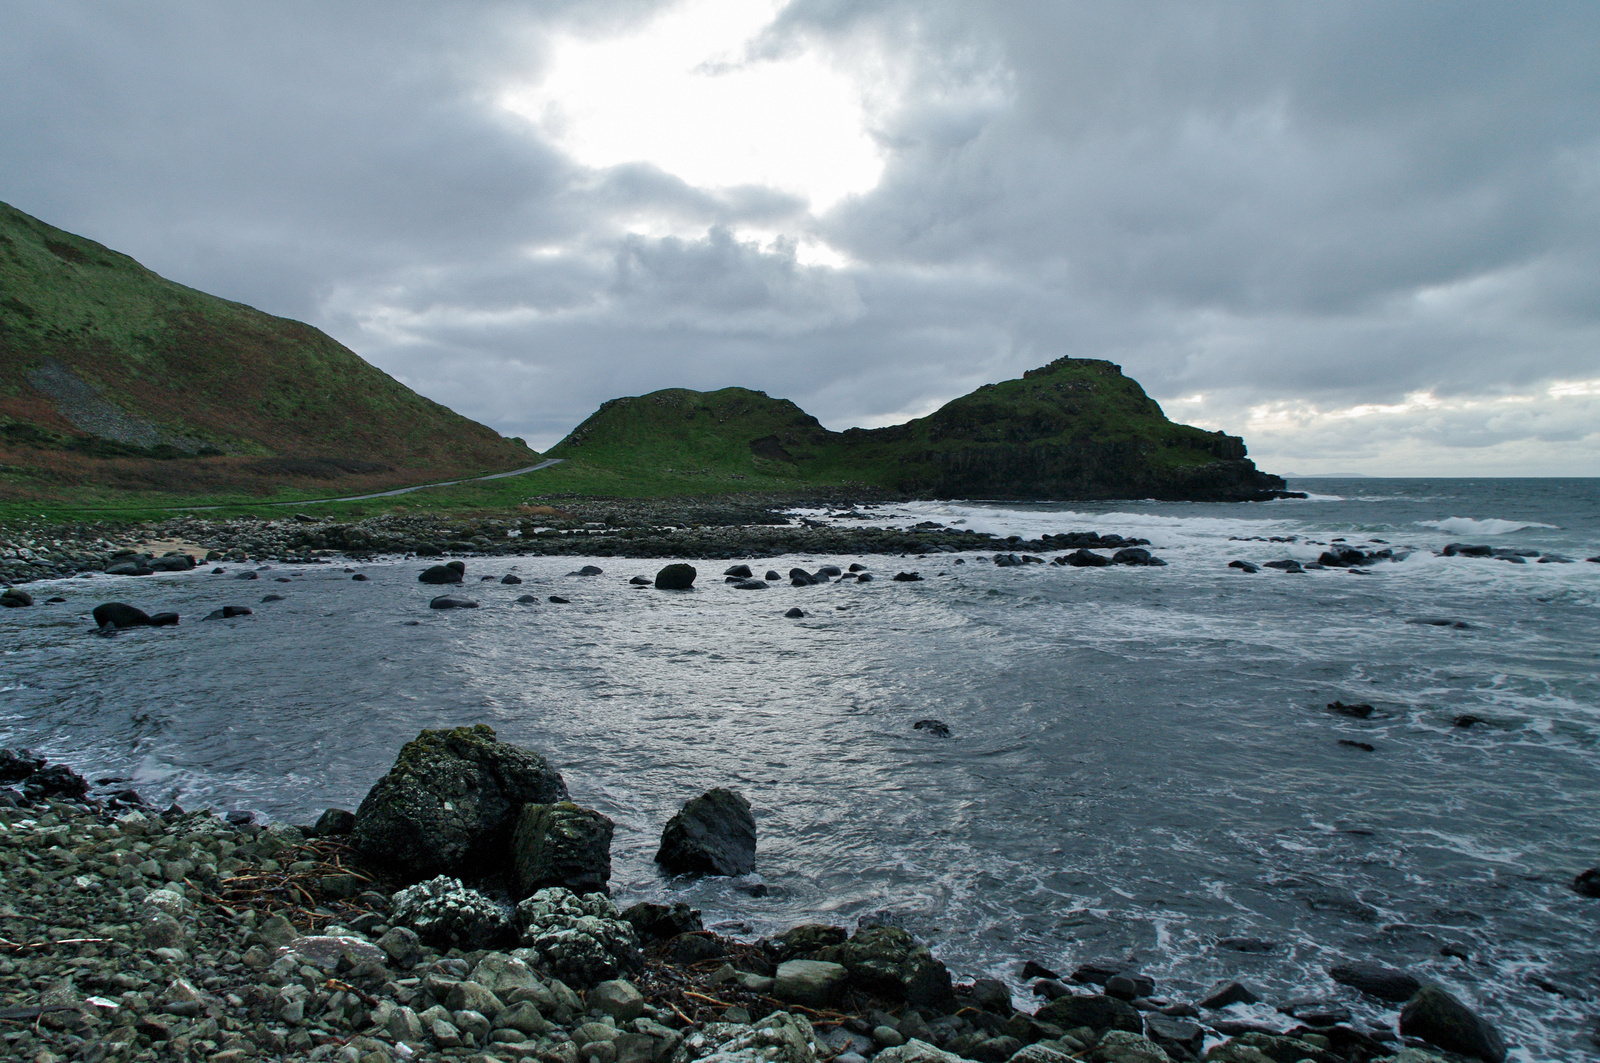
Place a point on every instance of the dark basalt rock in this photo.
(588, 570)
(558, 600)
(678, 577)
(658, 922)
(1136, 555)
(117, 615)
(1376, 980)
(1438, 621)
(15, 598)
(857, 567)
(1338, 556)
(751, 585)
(1100, 1013)
(334, 822)
(1226, 994)
(267, 598)
(450, 601)
(937, 728)
(247, 575)
(799, 577)
(1006, 560)
(359, 578)
(1167, 1031)
(1084, 558)
(1286, 565)
(640, 581)
(439, 575)
(1465, 720)
(1360, 711)
(1316, 1012)
(1464, 550)
(561, 844)
(795, 613)
(56, 781)
(1243, 566)
(1129, 986)
(714, 833)
(509, 580)
(527, 599)
(887, 961)
(1366, 747)
(17, 764)
(907, 577)
(450, 803)
(740, 571)
(1440, 1019)
(771, 575)
(1587, 882)
(866, 577)
(1245, 944)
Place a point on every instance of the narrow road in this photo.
(420, 487)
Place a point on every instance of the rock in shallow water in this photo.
(443, 574)
(714, 833)
(677, 577)
(1440, 1019)
(451, 601)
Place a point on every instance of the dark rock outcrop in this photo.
(1099, 1013)
(714, 834)
(561, 844)
(1376, 980)
(440, 575)
(450, 802)
(1440, 1019)
(679, 577)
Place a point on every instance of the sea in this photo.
(1141, 764)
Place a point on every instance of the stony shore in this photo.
(132, 934)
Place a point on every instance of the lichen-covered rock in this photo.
(888, 962)
(916, 1051)
(582, 939)
(779, 1038)
(657, 922)
(446, 914)
(1120, 1046)
(561, 845)
(714, 834)
(449, 803)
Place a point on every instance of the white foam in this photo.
(1469, 526)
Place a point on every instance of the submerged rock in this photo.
(714, 834)
(450, 802)
(937, 728)
(451, 601)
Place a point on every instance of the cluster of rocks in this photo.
(127, 934)
(1341, 554)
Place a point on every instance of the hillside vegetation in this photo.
(116, 383)
(1074, 429)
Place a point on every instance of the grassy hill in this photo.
(116, 384)
(1076, 428)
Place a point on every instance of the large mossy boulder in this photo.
(561, 845)
(714, 834)
(450, 802)
(888, 962)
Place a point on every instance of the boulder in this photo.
(907, 577)
(750, 585)
(451, 601)
(799, 577)
(1099, 1013)
(509, 580)
(1226, 994)
(56, 781)
(617, 998)
(1438, 1018)
(937, 728)
(657, 922)
(15, 597)
(588, 570)
(795, 613)
(811, 983)
(741, 571)
(1085, 558)
(450, 802)
(556, 599)
(917, 1051)
(129, 568)
(678, 577)
(773, 575)
(359, 578)
(173, 562)
(447, 915)
(1243, 566)
(1167, 1030)
(582, 940)
(334, 822)
(1360, 711)
(806, 940)
(1376, 980)
(1132, 555)
(527, 599)
(1587, 882)
(561, 844)
(888, 962)
(714, 834)
(641, 581)
(444, 574)
(17, 764)
(1124, 1046)
(115, 616)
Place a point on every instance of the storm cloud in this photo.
(1364, 236)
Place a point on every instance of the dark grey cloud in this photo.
(1366, 231)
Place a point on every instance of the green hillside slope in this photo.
(1074, 429)
(113, 378)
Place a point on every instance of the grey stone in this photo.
(916, 1051)
(470, 996)
(402, 945)
(814, 983)
(714, 833)
(1121, 1046)
(1438, 1018)
(617, 998)
(582, 940)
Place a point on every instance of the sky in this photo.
(1364, 236)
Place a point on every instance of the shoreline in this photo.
(128, 933)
